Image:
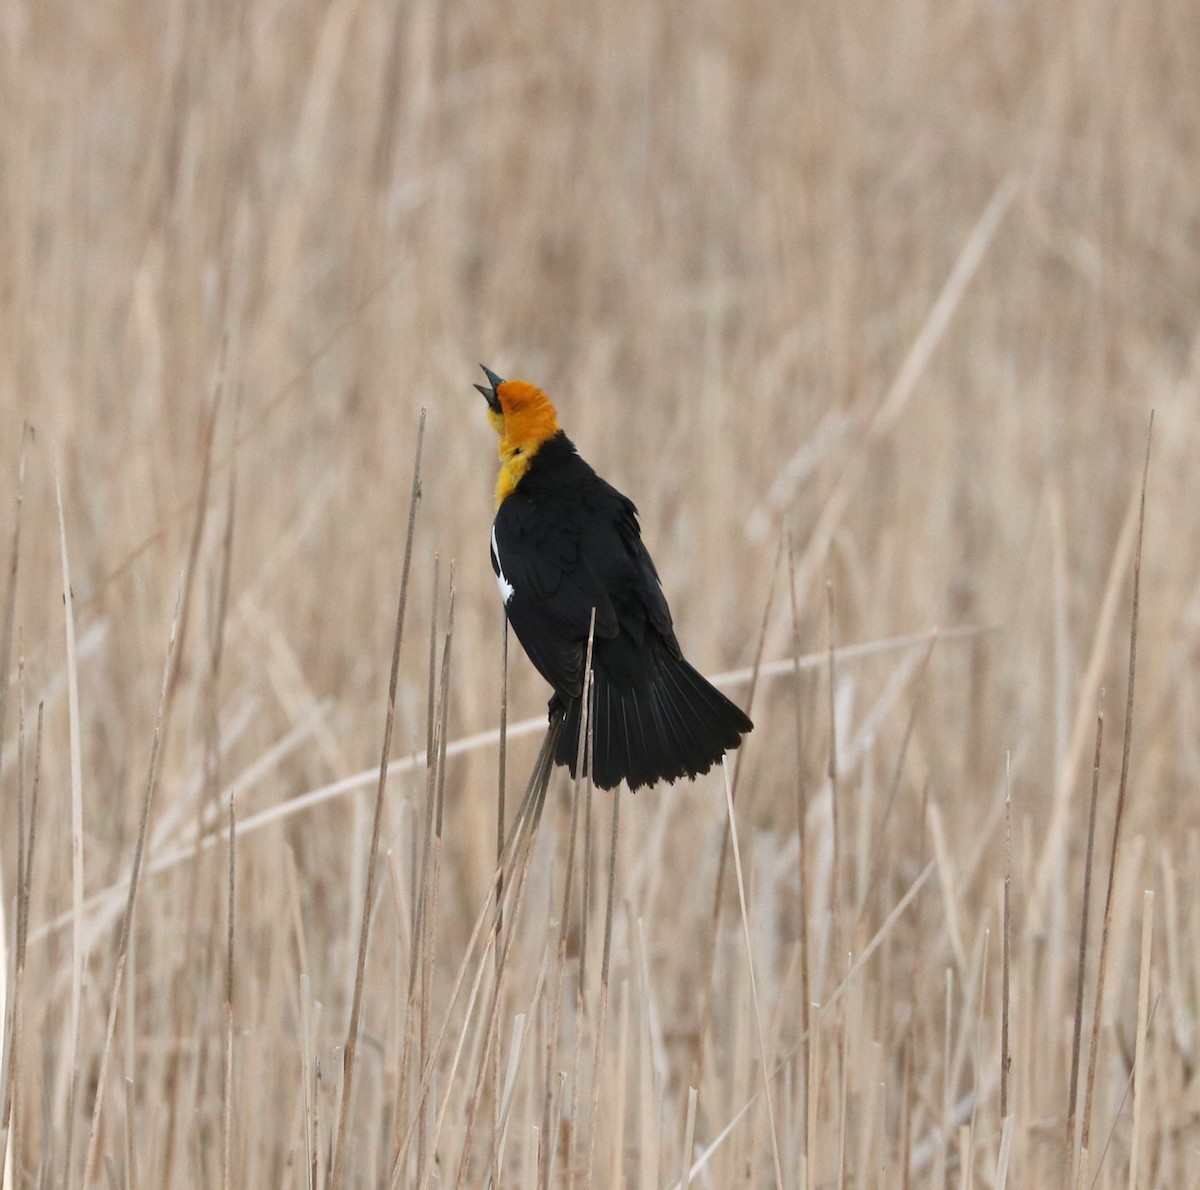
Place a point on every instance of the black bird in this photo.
(565, 542)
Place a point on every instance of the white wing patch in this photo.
(506, 588)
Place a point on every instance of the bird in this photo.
(565, 544)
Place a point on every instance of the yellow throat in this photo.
(527, 419)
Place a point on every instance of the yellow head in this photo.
(523, 418)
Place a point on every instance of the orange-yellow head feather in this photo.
(523, 418)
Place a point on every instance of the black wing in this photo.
(550, 586)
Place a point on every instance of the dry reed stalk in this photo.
(339, 1146)
(819, 1013)
(900, 391)
(762, 1050)
(23, 901)
(7, 1043)
(1081, 968)
(535, 800)
(835, 874)
(71, 1049)
(602, 1010)
(427, 880)
(227, 1082)
(213, 780)
(519, 842)
(549, 1134)
(1006, 943)
(1119, 816)
(843, 1090)
(1055, 834)
(1139, 1053)
(906, 1081)
(977, 1065)
(418, 990)
(947, 1103)
(515, 1050)
(581, 985)
(624, 1015)
(648, 1103)
(1005, 1157)
(105, 904)
(430, 917)
(879, 832)
(501, 776)
(805, 997)
(502, 942)
(183, 993)
(812, 1040)
(689, 1139)
(311, 1140)
(89, 1167)
(132, 1177)
(948, 885)
(9, 1005)
(705, 1010)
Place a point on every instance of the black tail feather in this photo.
(673, 724)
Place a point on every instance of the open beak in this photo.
(490, 393)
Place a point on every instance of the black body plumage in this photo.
(564, 542)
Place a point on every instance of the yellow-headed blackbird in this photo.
(565, 542)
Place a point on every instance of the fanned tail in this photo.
(673, 724)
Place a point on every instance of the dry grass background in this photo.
(717, 234)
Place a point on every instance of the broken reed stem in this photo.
(1081, 970)
(339, 1146)
(89, 1165)
(1119, 817)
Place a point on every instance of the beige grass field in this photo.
(899, 285)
